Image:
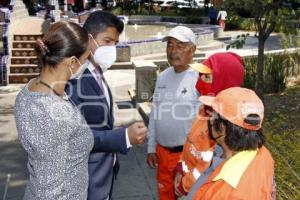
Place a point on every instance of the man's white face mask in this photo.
(105, 56)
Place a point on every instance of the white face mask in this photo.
(105, 56)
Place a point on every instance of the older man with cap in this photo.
(175, 104)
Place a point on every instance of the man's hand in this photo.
(177, 182)
(137, 133)
(152, 160)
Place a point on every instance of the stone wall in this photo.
(138, 48)
(138, 19)
(141, 19)
(5, 14)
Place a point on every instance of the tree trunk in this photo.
(260, 68)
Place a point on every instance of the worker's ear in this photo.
(222, 129)
(193, 48)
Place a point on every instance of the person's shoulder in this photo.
(265, 151)
(166, 73)
(192, 73)
(81, 81)
(54, 104)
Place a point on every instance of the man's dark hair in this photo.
(238, 138)
(98, 21)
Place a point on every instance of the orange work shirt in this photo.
(197, 151)
(254, 184)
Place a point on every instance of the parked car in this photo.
(103, 3)
(176, 3)
(181, 3)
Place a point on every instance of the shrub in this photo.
(247, 24)
(277, 68)
(193, 20)
(233, 22)
(236, 22)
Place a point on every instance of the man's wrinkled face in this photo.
(179, 54)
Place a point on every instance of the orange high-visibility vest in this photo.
(255, 183)
(197, 151)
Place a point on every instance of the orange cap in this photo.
(236, 105)
(199, 67)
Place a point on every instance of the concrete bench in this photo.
(145, 74)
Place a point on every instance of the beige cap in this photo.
(201, 68)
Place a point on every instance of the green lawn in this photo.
(282, 131)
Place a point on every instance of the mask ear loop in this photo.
(92, 38)
(90, 35)
(78, 61)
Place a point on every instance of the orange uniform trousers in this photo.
(166, 171)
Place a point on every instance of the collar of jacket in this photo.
(234, 168)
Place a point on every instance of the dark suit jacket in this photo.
(86, 94)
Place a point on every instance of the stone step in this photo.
(224, 38)
(25, 69)
(23, 44)
(121, 65)
(21, 77)
(27, 26)
(214, 45)
(21, 38)
(23, 52)
(24, 60)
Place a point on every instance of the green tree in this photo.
(268, 15)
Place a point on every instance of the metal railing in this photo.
(6, 186)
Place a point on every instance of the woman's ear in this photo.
(73, 61)
(223, 129)
(70, 62)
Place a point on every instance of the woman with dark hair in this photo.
(52, 131)
(247, 171)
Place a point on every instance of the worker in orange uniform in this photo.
(220, 71)
(248, 169)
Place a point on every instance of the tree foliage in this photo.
(267, 14)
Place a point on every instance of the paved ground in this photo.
(13, 158)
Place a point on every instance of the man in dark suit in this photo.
(90, 92)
